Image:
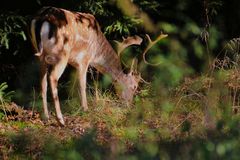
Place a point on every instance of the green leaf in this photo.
(23, 35)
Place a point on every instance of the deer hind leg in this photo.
(82, 73)
(44, 89)
(55, 74)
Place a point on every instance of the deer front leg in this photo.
(82, 71)
(54, 77)
(44, 89)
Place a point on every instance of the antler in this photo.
(150, 45)
(133, 40)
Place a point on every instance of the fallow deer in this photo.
(62, 37)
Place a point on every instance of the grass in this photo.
(198, 119)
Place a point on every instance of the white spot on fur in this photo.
(80, 56)
(52, 40)
(67, 47)
(78, 37)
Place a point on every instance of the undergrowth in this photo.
(197, 119)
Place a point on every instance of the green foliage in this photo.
(214, 6)
(122, 27)
(5, 96)
(96, 7)
(233, 49)
(11, 25)
(147, 5)
(234, 46)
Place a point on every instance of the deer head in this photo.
(127, 85)
(130, 87)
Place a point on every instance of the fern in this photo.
(5, 96)
(5, 99)
(233, 47)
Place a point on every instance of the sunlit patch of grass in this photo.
(12, 127)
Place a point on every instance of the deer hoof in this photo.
(45, 118)
(61, 121)
(85, 109)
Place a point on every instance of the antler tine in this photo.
(134, 62)
(150, 45)
(143, 80)
(132, 40)
(149, 39)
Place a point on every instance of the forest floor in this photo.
(25, 128)
(23, 133)
(199, 120)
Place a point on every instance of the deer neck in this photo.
(107, 61)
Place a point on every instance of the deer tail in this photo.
(34, 39)
(40, 31)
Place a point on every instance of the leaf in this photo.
(3, 86)
(23, 35)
